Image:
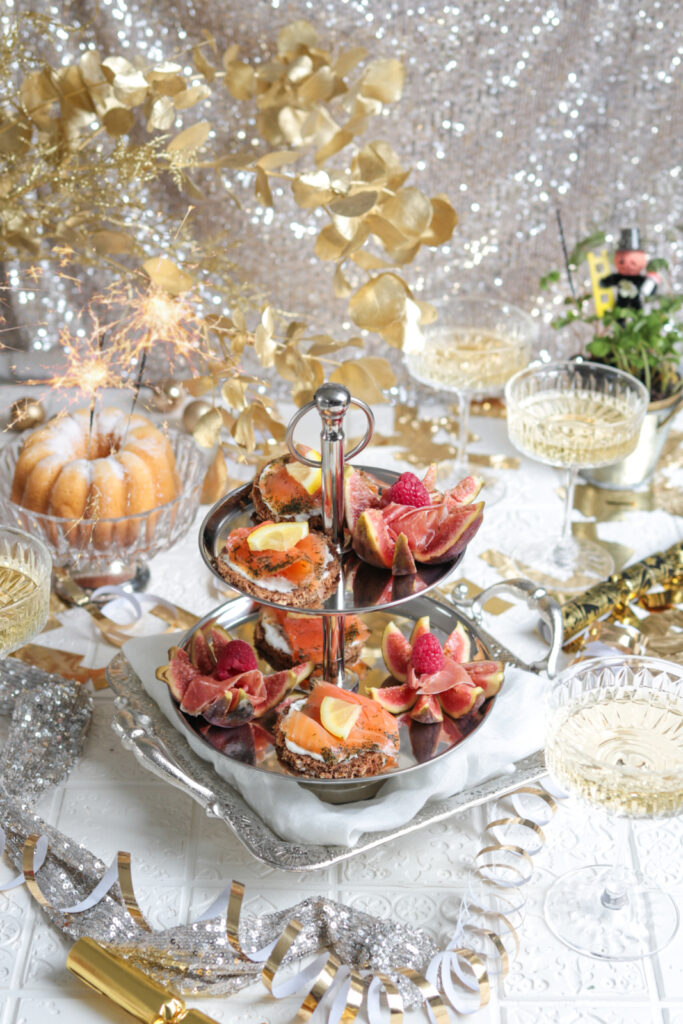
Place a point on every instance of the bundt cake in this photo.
(125, 466)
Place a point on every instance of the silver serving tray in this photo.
(363, 587)
(162, 750)
(420, 745)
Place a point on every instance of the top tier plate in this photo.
(362, 587)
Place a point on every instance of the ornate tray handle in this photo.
(536, 598)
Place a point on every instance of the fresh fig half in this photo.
(361, 491)
(426, 709)
(461, 699)
(372, 541)
(395, 699)
(201, 654)
(458, 645)
(403, 563)
(421, 626)
(178, 673)
(487, 674)
(234, 707)
(396, 651)
(219, 638)
(424, 740)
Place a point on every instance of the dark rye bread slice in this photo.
(312, 596)
(363, 763)
(282, 513)
(282, 660)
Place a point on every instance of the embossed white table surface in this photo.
(182, 860)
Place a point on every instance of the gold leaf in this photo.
(235, 161)
(233, 392)
(266, 422)
(348, 59)
(166, 85)
(230, 55)
(161, 115)
(188, 98)
(358, 381)
(198, 386)
(379, 370)
(15, 137)
(240, 80)
(74, 90)
(300, 69)
(386, 232)
(442, 223)
(376, 162)
(36, 95)
(291, 122)
(330, 244)
(379, 302)
(428, 313)
(383, 80)
(167, 275)
(334, 145)
(342, 288)
(112, 242)
(130, 84)
(190, 138)
(318, 87)
(324, 343)
(215, 482)
(271, 161)
(354, 205)
(368, 261)
(295, 36)
(410, 212)
(312, 189)
(203, 66)
(118, 120)
(208, 429)
(262, 188)
(243, 430)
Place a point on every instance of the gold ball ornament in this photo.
(193, 412)
(166, 396)
(25, 413)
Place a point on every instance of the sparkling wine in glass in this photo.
(573, 415)
(25, 573)
(614, 738)
(474, 347)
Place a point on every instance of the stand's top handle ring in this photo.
(330, 402)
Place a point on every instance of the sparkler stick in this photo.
(564, 252)
(93, 398)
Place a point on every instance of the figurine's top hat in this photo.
(629, 239)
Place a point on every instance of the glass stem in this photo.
(463, 426)
(616, 881)
(564, 548)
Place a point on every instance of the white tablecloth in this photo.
(181, 859)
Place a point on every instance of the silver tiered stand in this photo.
(166, 743)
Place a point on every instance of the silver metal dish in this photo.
(420, 744)
(364, 587)
(160, 748)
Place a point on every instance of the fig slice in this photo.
(465, 491)
(372, 541)
(460, 699)
(424, 740)
(487, 674)
(458, 645)
(421, 626)
(403, 563)
(178, 673)
(426, 709)
(395, 699)
(234, 707)
(201, 654)
(396, 651)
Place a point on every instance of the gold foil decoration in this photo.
(61, 663)
(128, 987)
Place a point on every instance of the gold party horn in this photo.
(128, 987)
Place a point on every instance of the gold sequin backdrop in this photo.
(512, 109)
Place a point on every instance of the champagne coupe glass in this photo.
(574, 415)
(25, 573)
(614, 738)
(471, 350)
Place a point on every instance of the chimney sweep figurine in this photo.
(631, 280)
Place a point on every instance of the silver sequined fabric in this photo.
(514, 109)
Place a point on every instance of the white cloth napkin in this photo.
(512, 730)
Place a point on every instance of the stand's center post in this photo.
(333, 401)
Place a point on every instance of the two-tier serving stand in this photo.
(361, 588)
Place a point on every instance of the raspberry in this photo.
(236, 657)
(407, 490)
(426, 656)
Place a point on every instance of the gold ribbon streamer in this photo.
(430, 996)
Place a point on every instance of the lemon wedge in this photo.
(309, 477)
(338, 716)
(276, 536)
